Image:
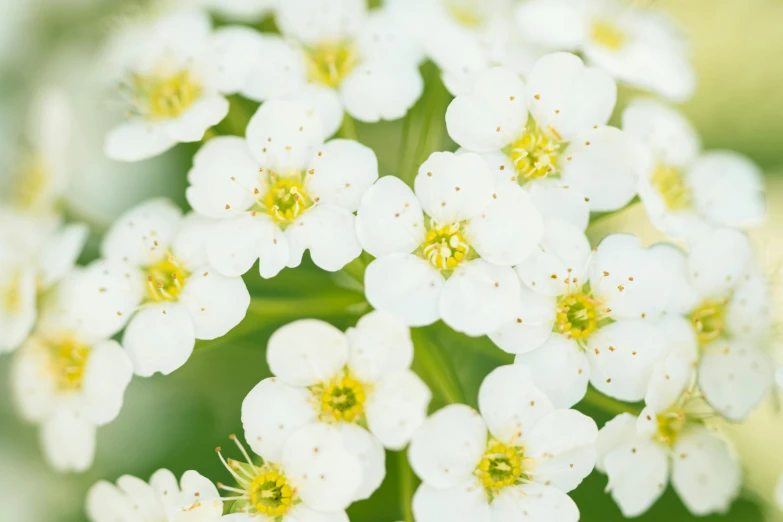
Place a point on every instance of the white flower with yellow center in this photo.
(725, 300)
(69, 378)
(685, 190)
(313, 478)
(588, 315)
(281, 191)
(194, 499)
(514, 461)
(549, 136)
(641, 47)
(155, 276)
(446, 251)
(334, 56)
(172, 82)
(358, 381)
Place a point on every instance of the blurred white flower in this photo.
(522, 469)
(154, 275)
(334, 56)
(313, 479)
(638, 46)
(562, 152)
(195, 499)
(250, 11)
(446, 251)
(281, 191)
(588, 315)
(69, 378)
(359, 381)
(685, 190)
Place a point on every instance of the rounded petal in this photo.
(748, 313)
(16, 326)
(718, 261)
(142, 235)
(531, 328)
(341, 173)
(615, 433)
(230, 48)
(556, 200)
(191, 125)
(106, 376)
(369, 451)
(278, 69)
(316, 21)
(136, 141)
(307, 352)
(166, 487)
(671, 138)
(534, 502)
(480, 297)
(216, 303)
(638, 471)
(674, 372)
(445, 451)
(324, 101)
(674, 262)
(190, 244)
(397, 407)
(142, 496)
(60, 253)
(33, 388)
(560, 369)
(390, 218)
(159, 338)
(379, 344)
(107, 503)
(406, 286)
(555, 24)
(381, 89)
(464, 502)
(234, 245)
(329, 231)
(199, 500)
(68, 441)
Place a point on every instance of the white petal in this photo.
(638, 471)
(492, 114)
(61, 252)
(674, 263)
(16, 326)
(445, 451)
(278, 69)
(603, 166)
(464, 502)
(748, 313)
(325, 474)
(167, 489)
(190, 244)
(531, 328)
(671, 138)
(406, 286)
(271, 412)
(734, 376)
(480, 297)
(68, 441)
(533, 503)
(324, 101)
(369, 451)
(568, 97)
(106, 503)
(397, 407)
(706, 475)
(390, 218)
(234, 245)
(510, 403)
(556, 24)
(302, 513)
(556, 200)
(622, 356)
(137, 140)
(454, 188)
(143, 497)
(106, 376)
(718, 261)
(191, 125)
(616, 432)
(381, 89)
(560, 369)
(508, 229)
(316, 21)
(215, 302)
(142, 235)
(34, 390)
(329, 231)
(673, 373)
(159, 338)
(229, 51)
(341, 173)
(307, 352)
(380, 344)
(200, 500)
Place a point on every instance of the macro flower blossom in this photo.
(588, 315)
(194, 499)
(446, 251)
(516, 460)
(69, 378)
(358, 381)
(155, 277)
(281, 191)
(639, 46)
(550, 136)
(686, 191)
(313, 479)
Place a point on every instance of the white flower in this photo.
(313, 479)
(156, 277)
(195, 499)
(333, 55)
(446, 251)
(359, 381)
(682, 188)
(69, 378)
(725, 299)
(641, 47)
(550, 136)
(588, 315)
(173, 81)
(250, 11)
(515, 461)
(281, 191)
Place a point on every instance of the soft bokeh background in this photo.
(177, 421)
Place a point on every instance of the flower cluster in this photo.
(490, 238)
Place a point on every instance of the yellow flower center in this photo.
(501, 466)
(607, 34)
(329, 64)
(271, 493)
(160, 97)
(445, 247)
(11, 294)
(341, 399)
(286, 198)
(535, 154)
(709, 320)
(466, 13)
(29, 183)
(166, 279)
(577, 315)
(670, 425)
(69, 362)
(670, 184)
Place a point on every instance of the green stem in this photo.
(406, 486)
(348, 129)
(437, 368)
(599, 218)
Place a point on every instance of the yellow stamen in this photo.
(166, 279)
(535, 154)
(445, 247)
(329, 64)
(709, 320)
(670, 184)
(501, 466)
(341, 399)
(158, 96)
(607, 34)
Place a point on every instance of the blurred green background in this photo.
(177, 421)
